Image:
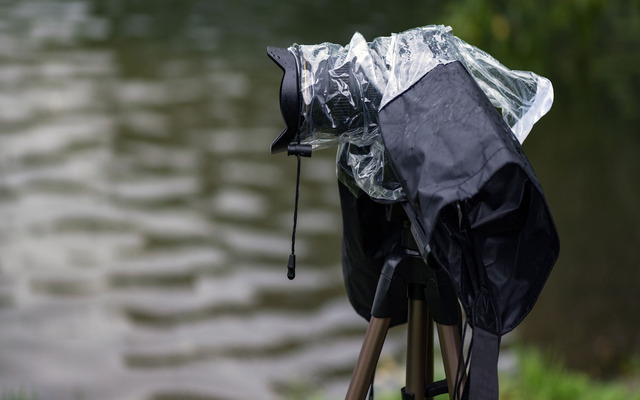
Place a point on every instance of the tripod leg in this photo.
(428, 379)
(416, 348)
(368, 358)
(449, 336)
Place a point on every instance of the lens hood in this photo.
(289, 97)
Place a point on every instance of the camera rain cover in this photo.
(341, 90)
(475, 204)
(422, 116)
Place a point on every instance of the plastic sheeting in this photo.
(343, 88)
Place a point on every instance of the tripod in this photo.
(431, 299)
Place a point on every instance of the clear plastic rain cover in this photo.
(343, 88)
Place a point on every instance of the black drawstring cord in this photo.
(298, 150)
(291, 266)
(462, 364)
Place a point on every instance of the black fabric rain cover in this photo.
(368, 238)
(474, 195)
(475, 203)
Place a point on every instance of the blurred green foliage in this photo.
(20, 394)
(540, 378)
(589, 48)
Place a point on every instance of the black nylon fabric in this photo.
(367, 239)
(474, 195)
(483, 378)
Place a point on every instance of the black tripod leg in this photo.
(368, 358)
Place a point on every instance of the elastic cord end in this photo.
(303, 150)
(291, 267)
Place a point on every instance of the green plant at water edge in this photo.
(541, 379)
(19, 394)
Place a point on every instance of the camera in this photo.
(430, 124)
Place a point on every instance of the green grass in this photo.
(539, 378)
(19, 394)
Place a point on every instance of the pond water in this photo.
(144, 227)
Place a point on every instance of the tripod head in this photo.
(421, 275)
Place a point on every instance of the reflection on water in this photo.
(143, 226)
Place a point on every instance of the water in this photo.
(144, 228)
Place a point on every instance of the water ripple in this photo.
(143, 232)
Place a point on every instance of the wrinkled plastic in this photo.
(343, 88)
